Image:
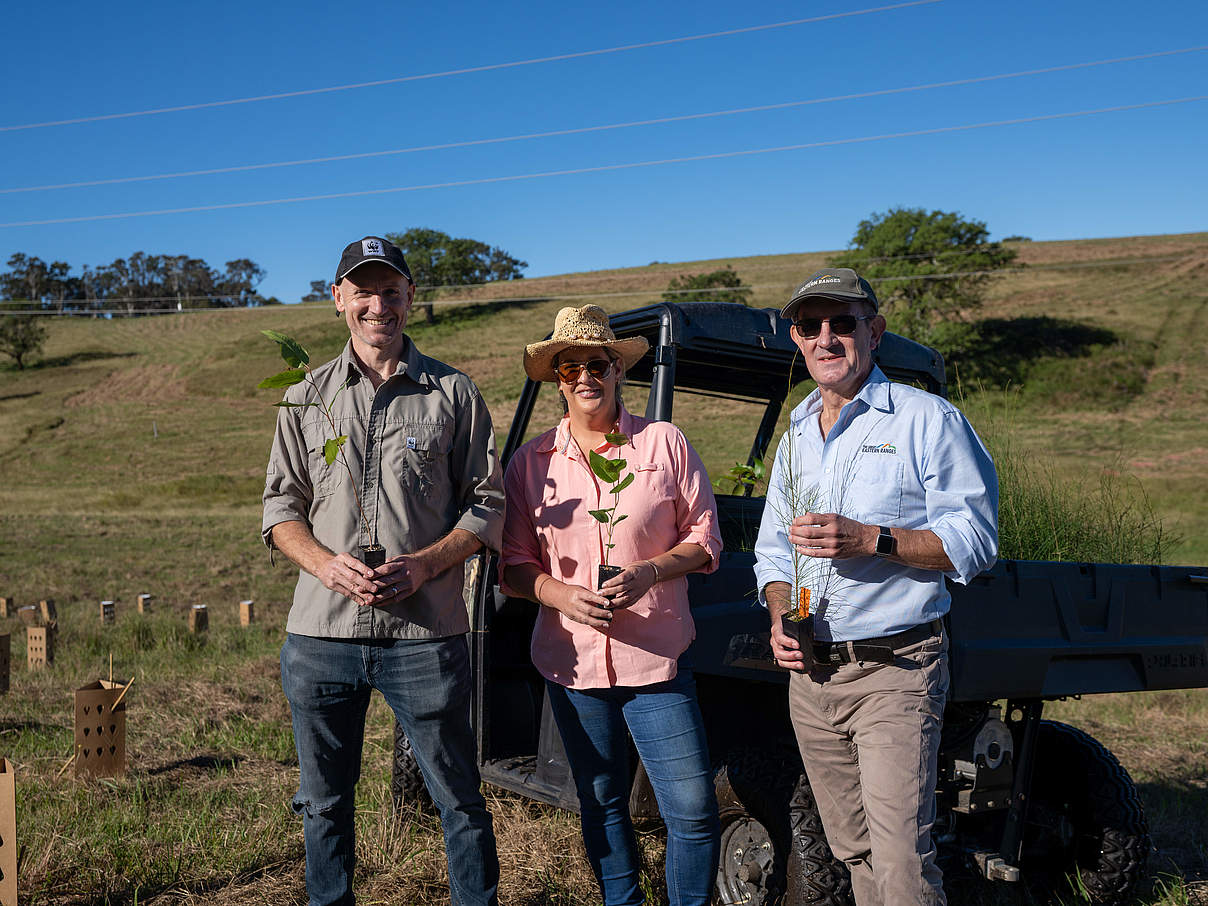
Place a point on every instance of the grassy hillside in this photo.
(132, 457)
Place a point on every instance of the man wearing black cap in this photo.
(878, 492)
(420, 448)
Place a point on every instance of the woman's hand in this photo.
(632, 584)
(579, 604)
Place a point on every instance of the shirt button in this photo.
(828, 471)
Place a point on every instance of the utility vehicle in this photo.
(1020, 798)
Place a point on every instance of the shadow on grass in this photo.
(999, 351)
(1177, 811)
(200, 762)
(87, 355)
(468, 313)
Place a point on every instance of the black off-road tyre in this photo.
(1085, 824)
(407, 787)
(774, 852)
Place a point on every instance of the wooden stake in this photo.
(111, 666)
(117, 701)
(66, 766)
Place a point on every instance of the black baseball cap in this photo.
(369, 249)
(839, 283)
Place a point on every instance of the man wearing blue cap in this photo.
(421, 449)
(880, 491)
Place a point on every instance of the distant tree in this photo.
(320, 290)
(21, 336)
(928, 266)
(716, 286)
(438, 260)
(238, 285)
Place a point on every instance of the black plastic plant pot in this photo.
(604, 573)
(373, 555)
(800, 631)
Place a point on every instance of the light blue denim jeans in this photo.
(665, 723)
(427, 684)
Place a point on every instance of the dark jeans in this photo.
(665, 723)
(427, 684)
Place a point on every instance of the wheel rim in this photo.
(745, 869)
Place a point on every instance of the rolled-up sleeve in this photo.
(961, 489)
(287, 487)
(477, 470)
(695, 505)
(520, 544)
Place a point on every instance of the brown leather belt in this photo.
(879, 650)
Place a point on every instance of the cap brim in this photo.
(539, 357)
(796, 302)
(389, 264)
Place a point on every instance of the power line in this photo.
(469, 69)
(516, 300)
(605, 167)
(444, 146)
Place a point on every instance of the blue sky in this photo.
(1132, 172)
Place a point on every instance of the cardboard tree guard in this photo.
(100, 730)
(39, 646)
(6, 660)
(8, 834)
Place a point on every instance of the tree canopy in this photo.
(139, 284)
(716, 286)
(927, 267)
(438, 260)
(20, 336)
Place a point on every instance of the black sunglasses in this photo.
(841, 325)
(569, 371)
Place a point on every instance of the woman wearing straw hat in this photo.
(610, 656)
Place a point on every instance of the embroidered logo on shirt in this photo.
(410, 443)
(371, 247)
(879, 448)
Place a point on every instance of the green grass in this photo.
(132, 457)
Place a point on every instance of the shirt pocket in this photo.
(422, 457)
(875, 493)
(322, 476)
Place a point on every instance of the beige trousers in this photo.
(869, 736)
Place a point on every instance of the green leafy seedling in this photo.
(609, 471)
(299, 370)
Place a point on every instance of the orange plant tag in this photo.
(803, 602)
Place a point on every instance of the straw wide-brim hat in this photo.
(575, 327)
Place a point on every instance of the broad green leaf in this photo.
(602, 467)
(331, 447)
(292, 351)
(620, 519)
(617, 440)
(283, 379)
(625, 482)
(599, 515)
(759, 469)
(285, 405)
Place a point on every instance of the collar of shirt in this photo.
(874, 393)
(410, 364)
(560, 440)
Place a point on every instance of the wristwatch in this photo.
(887, 545)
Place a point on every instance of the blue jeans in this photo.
(427, 684)
(665, 723)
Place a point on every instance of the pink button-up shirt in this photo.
(550, 489)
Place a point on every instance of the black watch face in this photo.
(884, 543)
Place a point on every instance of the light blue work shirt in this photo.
(897, 456)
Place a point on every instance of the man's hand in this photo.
(630, 585)
(399, 578)
(787, 651)
(346, 575)
(833, 536)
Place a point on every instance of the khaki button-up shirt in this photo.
(422, 449)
